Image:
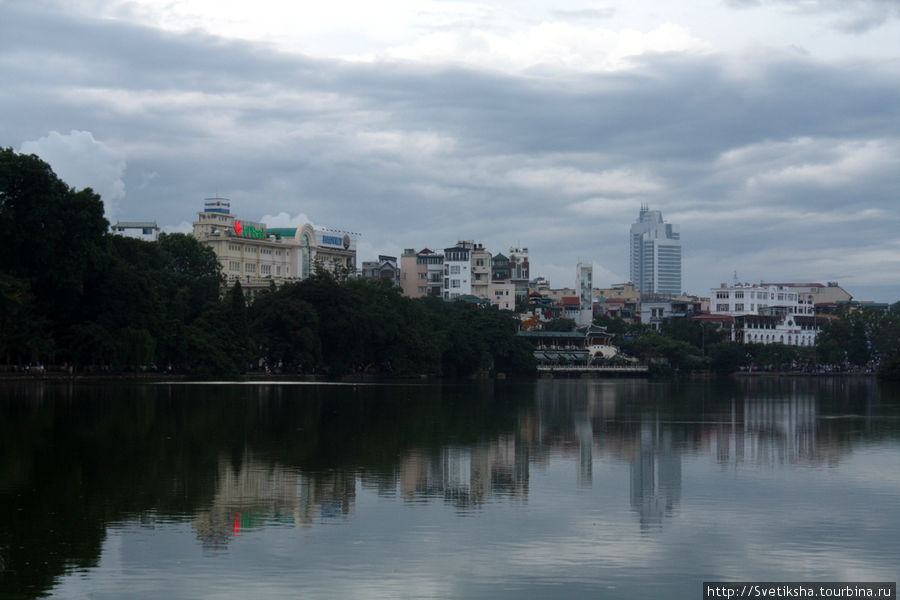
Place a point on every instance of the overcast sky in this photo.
(768, 130)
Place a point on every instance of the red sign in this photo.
(238, 228)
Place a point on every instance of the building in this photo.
(141, 230)
(482, 271)
(788, 329)
(813, 294)
(624, 291)
(421, 273)
(258, 256)
(519, 269)
(503, 294)
(499, 267)
(584, 280)
(457, 272)
(655, 251)
(383, 269)
(655, 311)
(752, 299)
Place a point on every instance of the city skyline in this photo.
(768, 130)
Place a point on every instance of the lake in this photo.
(583, 488)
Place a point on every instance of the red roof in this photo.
(571, 301)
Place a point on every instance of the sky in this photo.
(767, 130)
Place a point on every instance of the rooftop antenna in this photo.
(735, 277)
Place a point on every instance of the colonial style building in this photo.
(788, 329)
(258, 256)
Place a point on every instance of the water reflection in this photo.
(237, 461)
(467, 476)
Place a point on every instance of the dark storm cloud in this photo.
(751, 155)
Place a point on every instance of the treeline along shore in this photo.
(78, 301)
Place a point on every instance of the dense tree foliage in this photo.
(338, 327)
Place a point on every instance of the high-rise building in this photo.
(655, 254)
(584, 274)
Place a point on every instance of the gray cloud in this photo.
(771, 162)
(852, 16)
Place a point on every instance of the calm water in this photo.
(547, 489)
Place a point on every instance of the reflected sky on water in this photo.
(553, 488)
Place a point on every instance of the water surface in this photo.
(553, 488)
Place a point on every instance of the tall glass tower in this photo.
(655, 254)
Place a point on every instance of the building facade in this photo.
(503, 294)
(584, 278)
(788, 329)
(753, 299)
(421, 273)
(519, 270)
(258, 256)
(457, 272)
(655, 253)
(383, 269)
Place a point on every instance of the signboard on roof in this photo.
(336, 239)
(250, 229)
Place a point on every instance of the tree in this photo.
(561, 324)
(727, 357)
(52, 237)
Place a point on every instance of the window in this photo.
(739, 294)
(739, 306)
(454, 270)
(454, 283)
(722, 307)
(250, 268)
(479, 262)
(722, 295)
(422, 275)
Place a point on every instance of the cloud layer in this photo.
(776, 163)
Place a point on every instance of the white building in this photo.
(788, 329)
(655, 251)
(584, 280)
(457, 272)
(141, 230)
(746, 299)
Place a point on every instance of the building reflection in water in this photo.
(655, 473)
(258, 493)
(467, 476)
(581, 422)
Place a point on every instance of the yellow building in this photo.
(258, 256)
